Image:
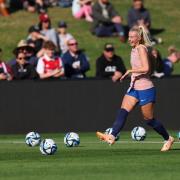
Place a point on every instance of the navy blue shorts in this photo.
(144, 96)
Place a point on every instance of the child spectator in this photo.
(22, 69)
(5, 70)
(109, 65)
(82, 9)
(106, 21)
(173, 57)
(49, 65)
(75, 61)
(64, 37)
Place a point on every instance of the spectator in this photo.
(46, 30)
(173, 57)
(5, 70)
(82, 9)
(22, 69)
(35, 5)
(3, 10)
(157, 64)
(139, 15)
(28, 50)
(106, 20)
(49, 65)
(63, 36)
(35, 38)
(109, 65)
(75, 61)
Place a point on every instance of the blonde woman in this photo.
(141, 90)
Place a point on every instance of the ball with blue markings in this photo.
(48, 147)
(33, 139)
(71, 139)
(109, 131)
(138, 133)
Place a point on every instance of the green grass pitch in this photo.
(92, 160)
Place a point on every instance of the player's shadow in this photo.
(175, 149)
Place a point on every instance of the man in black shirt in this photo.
(22, 69)
(109, 65)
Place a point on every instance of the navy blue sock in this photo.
(120, 121)
(158, 127)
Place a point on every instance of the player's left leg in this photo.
(148, 114)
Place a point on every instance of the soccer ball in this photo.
(48, 147)
(109, 131)
(33, 139)
(138, 134)
(71, 139)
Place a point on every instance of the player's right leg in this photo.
(128, 104)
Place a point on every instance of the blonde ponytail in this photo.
(143, 33)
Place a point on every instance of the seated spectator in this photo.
(3, 10)
(28, 50)
(22, 69)
(106, 21)
(46, 30)
(82, 9)
(173, 57)
(157, 64)
(35, 38)
(139, 15)
(109, 65)
(64, 37)
(49, 65)
(5, 70)
(35, 5)
(75, 61)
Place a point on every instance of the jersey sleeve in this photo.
(40, 66)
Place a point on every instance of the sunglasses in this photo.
(73, 44)
(21, 58)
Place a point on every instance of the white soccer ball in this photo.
(48, 147)
(138, 133)
(109, 131)
(32, 139)
(71, 139)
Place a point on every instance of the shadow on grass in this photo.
(156, 31)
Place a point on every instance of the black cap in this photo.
(108, 47)
(33, 29)
(62, 24)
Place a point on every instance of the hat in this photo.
(108, 47)
(33, 29)
(22, 44)
(43, 17)
(62, 24)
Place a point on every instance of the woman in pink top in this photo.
(141, 90)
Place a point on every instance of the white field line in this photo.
(98, 142)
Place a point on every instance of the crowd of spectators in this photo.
(49, 52)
